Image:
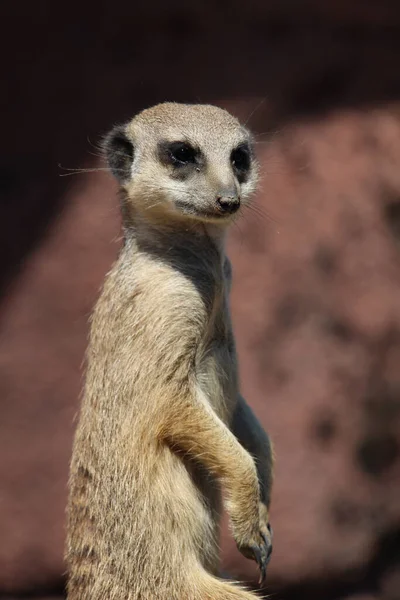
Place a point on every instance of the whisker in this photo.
(241, 235)
(261, 211)
(271, 133)
(80, 170)
(101, 156)
(96, 146)
(77, 170)
(255, 110)
(257, 210)
(269, 142)
(272, 172)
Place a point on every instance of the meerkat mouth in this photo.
(203, 215)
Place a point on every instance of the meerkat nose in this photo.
(228, 202)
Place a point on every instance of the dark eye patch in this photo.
(182, 153)
(241, 161)
(179, 154)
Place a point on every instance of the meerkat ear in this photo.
(119, 151)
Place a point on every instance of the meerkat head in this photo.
(183, 161)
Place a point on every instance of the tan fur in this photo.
(162, 423)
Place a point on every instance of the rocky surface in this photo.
(316, 297)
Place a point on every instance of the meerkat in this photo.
(163, 432)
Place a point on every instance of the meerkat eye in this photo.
(181, 153)
(240, 159)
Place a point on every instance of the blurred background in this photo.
(316, 296)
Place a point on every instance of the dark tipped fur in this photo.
(119, 152)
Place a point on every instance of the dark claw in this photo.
(263, 574)
(269, 554)
(257, 555)
(268, 546)
(262, 561)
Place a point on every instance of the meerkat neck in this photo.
(160, 237)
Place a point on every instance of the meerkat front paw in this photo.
(257, 544)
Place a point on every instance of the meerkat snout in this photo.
(184, 162)
(228, 201)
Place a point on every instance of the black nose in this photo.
(228, 204)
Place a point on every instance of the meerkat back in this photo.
(162, 424)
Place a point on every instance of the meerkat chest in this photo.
(182, 318)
